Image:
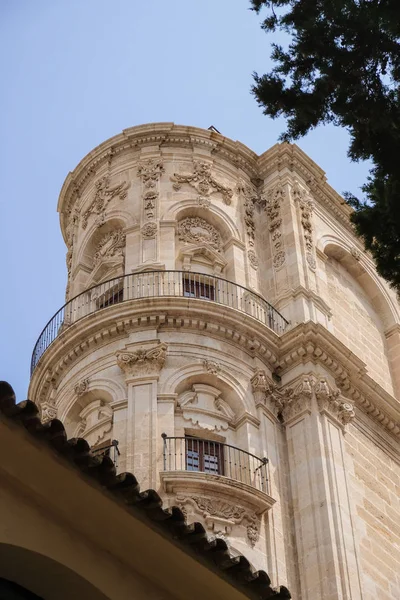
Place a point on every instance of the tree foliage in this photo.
(342, 66)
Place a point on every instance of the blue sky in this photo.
(76, 72)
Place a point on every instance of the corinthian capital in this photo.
(143, 361)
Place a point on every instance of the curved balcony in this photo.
(155, 284)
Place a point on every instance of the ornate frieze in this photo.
(194, 230)
(111, 245)
(203, 181)
(82, 387)
(103, 194)
(273, 202)
(306, 206)
(149, 230)
(143, 361)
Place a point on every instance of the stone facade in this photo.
(177, 240)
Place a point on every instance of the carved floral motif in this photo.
(103, 194)
(142, 361)
(355, 253)
(112, 244)
(195, 230)
(253, 260)
(203, 181)
(81, 387)
(306, 206)
(150, 172)
(48, 411)
(149, 230)
(250, 198)
(211, 367)
(273, 202)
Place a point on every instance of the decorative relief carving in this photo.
(250, 198)
(306, 206)
(253, 260)
(81, 387)
(273, 202)
(142, 361)
(48, 411)
(203, 407)
(203, 201)
(111, 245)
(150, 172)
(355, 253)
(260, 382)
(221, 515)
(149, 230)
(211, 367)
(202, 180)
(328, 399)
(103, 194)
(194, 230)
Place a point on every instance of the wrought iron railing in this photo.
(206, 456)
(110, 450)
(155, 284)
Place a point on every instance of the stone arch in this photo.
(90, 416)
(112, 389)
(213, 214)
(110, 261)
(184, 377)
(45, 576)
(363, 271)
(365, 316)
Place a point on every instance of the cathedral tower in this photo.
(226, 339)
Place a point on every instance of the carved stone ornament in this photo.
(103, 194)
(250, 198)
(329, 399)
(260, 382)
(306, 206)
(204, 408)
(355, 253)
(220, 515)
(81, 387)
(253, 260)
(211, 367)
(150, 171)
(273, 201)
(111, 245)
(203, 201)
(149, 230)
(194, 230)
(144, 361)
(48, 411)
(203, 181)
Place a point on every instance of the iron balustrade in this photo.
(156, 284)
(207, 456)
(110, 450)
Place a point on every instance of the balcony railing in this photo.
(156, 284)
(109, 449)
(207, 456)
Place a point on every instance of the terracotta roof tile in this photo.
(193, 537)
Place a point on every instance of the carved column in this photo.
(315, 417)
(150, 172)
(141, 368)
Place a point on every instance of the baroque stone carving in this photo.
(203, 407)
(250, 198)
(111, 245)
(103, 194)
(211, 367)
(143, 361)
(306, 206)
(48, 411)
(81, 387)
(194, 230)
(213, 509)
(355, 253)
(149, 230)
(150, 172)
(328, 399)
(259, 381)
(203, 181)
(253, 260)
(273, 203)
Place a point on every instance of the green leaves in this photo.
(342, 66)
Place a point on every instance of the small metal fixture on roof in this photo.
(212, 128)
